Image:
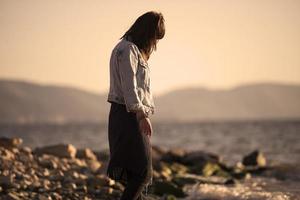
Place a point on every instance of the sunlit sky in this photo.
(208, 43)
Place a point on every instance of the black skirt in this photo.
(129, 148)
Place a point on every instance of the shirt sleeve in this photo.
(128, 63)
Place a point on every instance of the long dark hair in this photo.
(146, 31)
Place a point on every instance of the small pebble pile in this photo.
(53, 172)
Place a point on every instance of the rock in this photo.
(70, 186)
(174, 155)
(93, 165)
(7, 181)
(82, 176)
(56, 196)
(25, 158)
(166, 187)
(100, 180)
(46, 172)
(26, 150)
(61, 172)
(170, 197)
(12, 196)
(59, 150)
(9, 143)
(15, 150)
(178, 168)
(165, 170)
(6, 154)
(79, 162)
(6, 172)
(47, 162)
(102, 155)
(118, 186)
(107, 190)
(35, 186)
(44, 197)
(256, 158)
(156, 174)
(200, 158)
(157, 153)
(181, 180)
(210, 169)
(86, 154)
(46, 184)
(242, 175)
(230, 182)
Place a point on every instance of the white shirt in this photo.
(130, 78)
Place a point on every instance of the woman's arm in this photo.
(128, 63)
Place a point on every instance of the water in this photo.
(278, 140)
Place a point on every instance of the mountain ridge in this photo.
(28, 102)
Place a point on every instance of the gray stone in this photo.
(7, 181)
(181, 180)
(200, 158)
(174, 155)
(256, 158)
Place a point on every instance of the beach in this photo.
(62, 168)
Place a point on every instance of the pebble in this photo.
(61, 172)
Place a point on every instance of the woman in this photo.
(129, 127)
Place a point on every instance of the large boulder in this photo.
(200, 158)
(59, 150)
(256, 158)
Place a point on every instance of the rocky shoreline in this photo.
(63, 172)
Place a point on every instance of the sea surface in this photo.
(278, 140)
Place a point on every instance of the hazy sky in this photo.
(214, 44)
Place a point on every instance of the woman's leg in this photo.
(135, 186)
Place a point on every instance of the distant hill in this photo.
(257, 101)
(28, 102)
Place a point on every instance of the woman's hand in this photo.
(145, 126)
